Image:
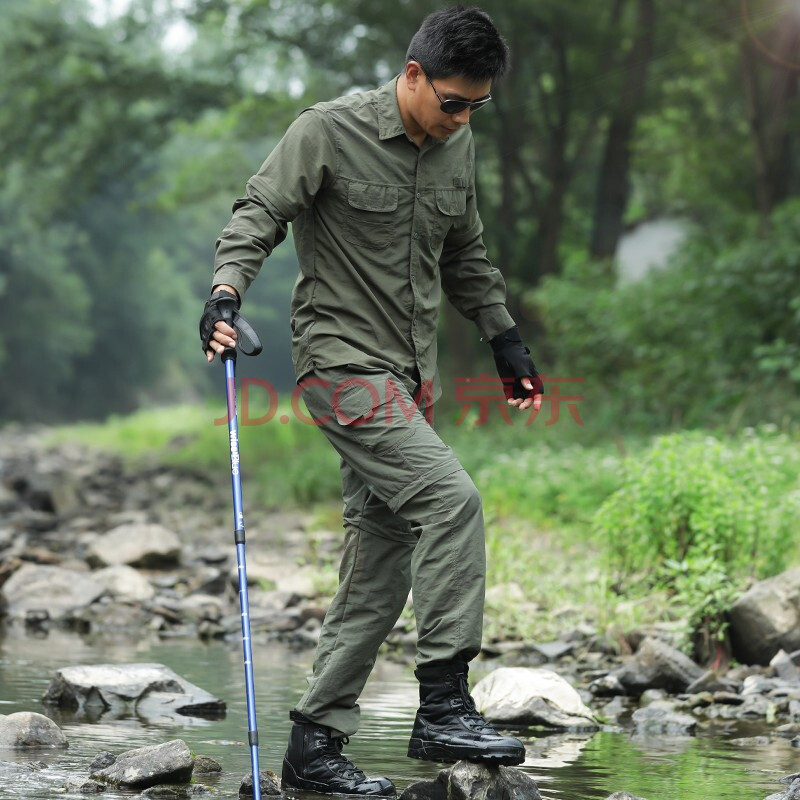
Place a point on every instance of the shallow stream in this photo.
(581, 767)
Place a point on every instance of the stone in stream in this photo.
(712, 681)
(663, 719)
(268, 781)
(624, 796)
(532, 696)
(792, 793)
(58, 591)
(151, 690)
(170, 762)
(102, 760)
(469, 781)
(766, 618)
(137, 546)
(784, 667)
(124, 583)
(28, 729)
(177, 792)
(657, 665)
(205, 765)
(83, 786)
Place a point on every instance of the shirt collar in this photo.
(390, 123)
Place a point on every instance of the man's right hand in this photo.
(216, 332)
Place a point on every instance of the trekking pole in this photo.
(229, 360)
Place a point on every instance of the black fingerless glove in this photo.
(224, 306)
(514, 362)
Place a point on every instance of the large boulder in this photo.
(170, 762)
(468, 781)
(657, 665)
(28, 729)
(57, 591)
(766, 619)
(528, 696)
(137, 546)
(152, 691)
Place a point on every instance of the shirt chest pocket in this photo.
(450, 205)
(369, 220)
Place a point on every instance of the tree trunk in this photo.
(613, 186)
(768, 110)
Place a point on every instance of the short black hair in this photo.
(460, 41)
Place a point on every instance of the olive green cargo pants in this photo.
(412, 518)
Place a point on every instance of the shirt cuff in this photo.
(232, 277)
(493, 320)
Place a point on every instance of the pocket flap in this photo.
(372, 197)
(356, 397)
(452, 202)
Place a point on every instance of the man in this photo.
(380, 187)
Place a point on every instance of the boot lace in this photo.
(466, 705)
(337, 761)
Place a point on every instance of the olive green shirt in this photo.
(380, 226)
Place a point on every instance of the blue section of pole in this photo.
(244, 602)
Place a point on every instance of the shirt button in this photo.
(415, 236)
(419, 194)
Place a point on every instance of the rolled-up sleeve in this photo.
(301, 164)
(470, 282)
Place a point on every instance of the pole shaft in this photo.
(244, 601)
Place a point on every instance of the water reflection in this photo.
(567, 767)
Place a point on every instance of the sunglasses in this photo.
(454, 106)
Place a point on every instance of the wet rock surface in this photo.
(268, 781)
(55, 593)
(468, 781)
(766, 619)
(657, 665)
(151, 690)
(662, 718)
(29, 729)
(167, 763)
(522, 696)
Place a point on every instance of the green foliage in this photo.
(698, 517)
(702, 593)
(89, 307)
(710, 340)
(693, 496)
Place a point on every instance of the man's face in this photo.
(425, 105)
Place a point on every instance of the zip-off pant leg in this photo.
(412, 517)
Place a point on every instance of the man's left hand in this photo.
(534, 400)
(521, 382)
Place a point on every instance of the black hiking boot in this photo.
(314, 763)
(449, 728)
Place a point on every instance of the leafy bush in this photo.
(699, 516)
(694, 496)
(713, 337)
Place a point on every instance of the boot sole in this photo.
(448, 754)
(291, 782)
